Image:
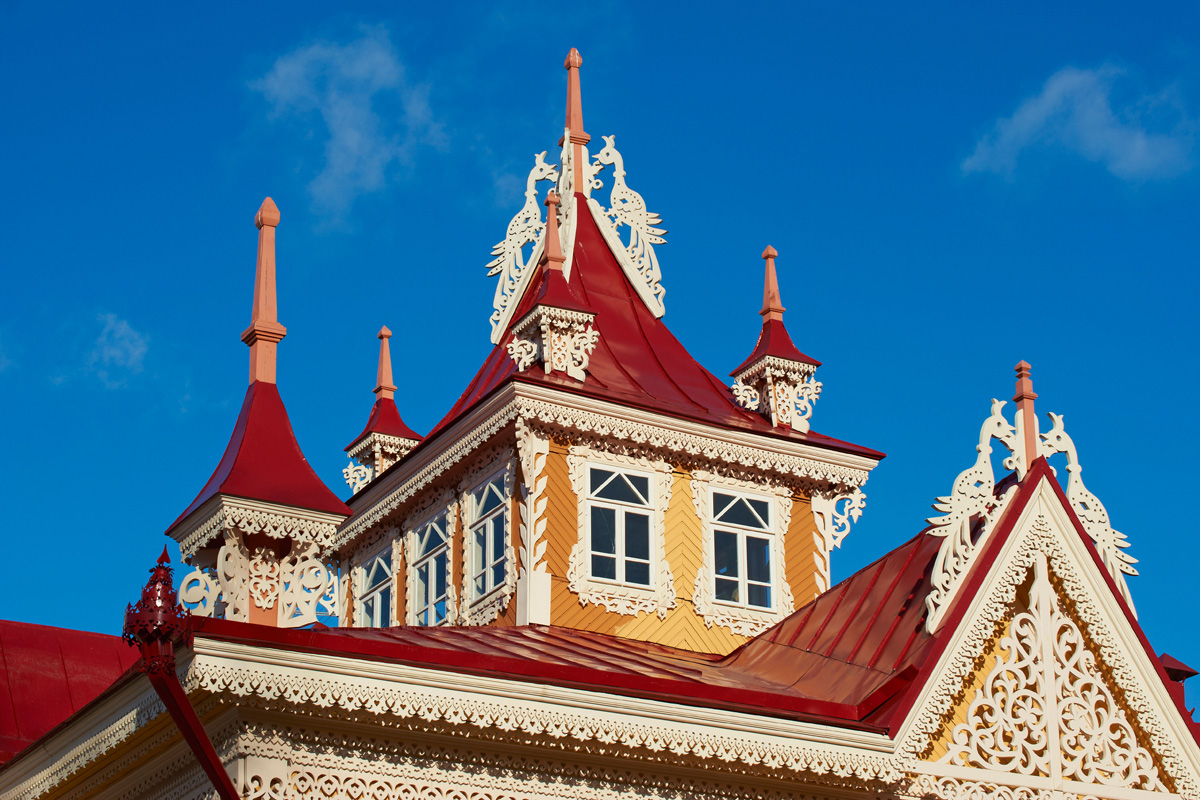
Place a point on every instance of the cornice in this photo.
(227, 513)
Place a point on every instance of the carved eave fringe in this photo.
(735, 453)
(222, 513)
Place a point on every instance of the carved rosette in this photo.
(561, 340)
(782, 390)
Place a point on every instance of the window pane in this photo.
(423, 585)
(637, 572)
(481, 585)
(440, 561)
(599, 476)
(758, 559)
(498, 575)
(641, 485)
(621, 490)
(439, 612)
(740, 514)
(368, 609)
(479, 551)
(727, 590)
(498, 543)
(759, 595)
(762, 508)
(604, 530)
(490, 499)
(720, 503)
(637, 536)
(725, 553)
(604, 567)
(385, 607)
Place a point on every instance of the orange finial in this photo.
(1027, 418)
(552, 256)
(265, 331)
(574, 102)
(383, 377)
(772, 305)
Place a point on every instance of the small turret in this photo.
(777, 379)
(386, 439)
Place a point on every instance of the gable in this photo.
(1045, 683)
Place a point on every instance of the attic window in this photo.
(431, 602)
(488, 538)
(619, 508)
(742, 569)
(375, 608)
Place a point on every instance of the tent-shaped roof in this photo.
(637, 361)
(264, 462)
(385, 419)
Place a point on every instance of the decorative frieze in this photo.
(559, 339)
(782, 390)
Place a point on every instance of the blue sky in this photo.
(949, 191)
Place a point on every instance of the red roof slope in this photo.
(385, 419)
(263, 460)
(637, 361)
(47, 674)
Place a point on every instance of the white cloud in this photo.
(1149, 139)
(117, 353)
(372, 117)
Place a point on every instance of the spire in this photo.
(574, 132)
(552, 255)
(772, 305)
(264, 332)
(383, 377)
(1027, 427)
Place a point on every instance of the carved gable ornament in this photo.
(1045, 690)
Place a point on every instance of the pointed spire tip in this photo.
(165, 558)
(268, 214)
(573, 59)
(772, 304)
(770, 252)
(384, 333)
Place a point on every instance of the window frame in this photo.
(739, 617)
(619, 596)
(362, 593)
(446, 507)
(483, 609)
(742, 533)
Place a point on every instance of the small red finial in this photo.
(264, 332)
(552, 255)
(1027, 417)
(157, 620)
(383, 376)
(574, 102)
(772, 304)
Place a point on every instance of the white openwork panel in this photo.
(629, 228)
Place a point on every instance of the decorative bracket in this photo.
(562, 340)
(782, 390)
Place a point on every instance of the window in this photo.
(619, 508)
(742, 550)
(375, 610)
(488, 537)
(431, 572)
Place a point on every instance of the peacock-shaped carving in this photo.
(971, 501)
(1090, 510)
(510, 260)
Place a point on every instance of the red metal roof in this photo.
(385, 419)
(47, 674)
(264, 462)
(637, 361)
(773, 340)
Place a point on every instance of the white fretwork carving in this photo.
(561, 340)
(510, 261)
(357, 476)
(533, 582)
(264, 577)
(626, 207)
(970, 510)
(308, 587)
(1091, 512)
(1044, 708)
(833, 512)
(200, 592)
(223, 514)
(621, 598)
(780, 389)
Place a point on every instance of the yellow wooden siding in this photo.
(799, 549)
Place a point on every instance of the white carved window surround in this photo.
(619, 559)
(489, 559)
(376, 589)
(431, 595)
(741, 584)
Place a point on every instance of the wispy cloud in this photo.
(372, 116)
(1150, 138)
(117, 353)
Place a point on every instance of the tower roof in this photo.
(263, 460)
(773, 339)
(385, 416)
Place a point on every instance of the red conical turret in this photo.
(385, 439)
